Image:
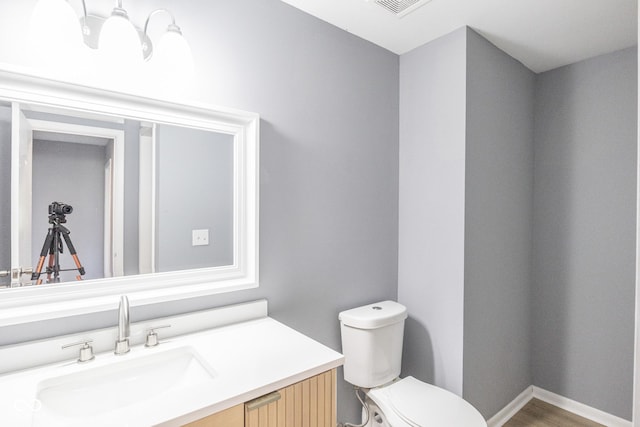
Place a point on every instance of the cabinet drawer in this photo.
(309, 403)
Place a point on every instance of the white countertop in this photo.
(250, 359)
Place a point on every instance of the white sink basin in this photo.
(126, 382)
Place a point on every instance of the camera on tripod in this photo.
(56, 208)
(57, 212)
(56, 235)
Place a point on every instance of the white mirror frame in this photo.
(42, 302)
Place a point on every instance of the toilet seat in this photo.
(409, 402)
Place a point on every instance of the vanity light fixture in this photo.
(114, 38)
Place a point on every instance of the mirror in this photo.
(177, 207)
(105, 189)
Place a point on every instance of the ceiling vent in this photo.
(401, 8)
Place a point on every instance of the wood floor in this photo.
(537, 413)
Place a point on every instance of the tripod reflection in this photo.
(53, 245)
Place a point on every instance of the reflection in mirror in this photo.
(176, 211)
(194, 199)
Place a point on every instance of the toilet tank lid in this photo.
(374, 315)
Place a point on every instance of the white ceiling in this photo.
(542, 34)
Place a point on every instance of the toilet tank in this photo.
(372, 338)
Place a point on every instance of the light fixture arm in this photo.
(172, 26)
(84, 9)
(147, 47)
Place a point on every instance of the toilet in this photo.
(372, 338)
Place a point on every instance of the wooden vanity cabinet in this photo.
(308, 403)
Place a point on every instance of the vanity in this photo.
(243, 369)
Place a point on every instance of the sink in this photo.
(123, 383)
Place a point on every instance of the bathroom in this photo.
(341, 212)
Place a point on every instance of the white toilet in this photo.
(372, 338)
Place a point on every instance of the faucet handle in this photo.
(86, 351)
(152, 336)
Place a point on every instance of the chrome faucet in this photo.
(122, 344)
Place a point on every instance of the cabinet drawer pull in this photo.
(262, 401)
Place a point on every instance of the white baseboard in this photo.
(562, 402)
(581, 409)
(511, 409)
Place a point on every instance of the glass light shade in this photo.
(119, 41)
(172, 58)
(55, 34)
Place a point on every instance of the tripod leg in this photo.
(74, 255)
(46, 248)
(52, 259)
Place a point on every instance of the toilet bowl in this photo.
(372, 338)
(409, 402)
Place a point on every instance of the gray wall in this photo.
(557, 310)
(498, 223)
(199, 196)
(466, 182)
(329, 161)
(431, 233)
(584, 231)
(73, 174)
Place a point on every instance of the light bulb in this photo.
(172, 58)
(119, 40)
(55, 35)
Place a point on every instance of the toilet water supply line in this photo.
(366, 411)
